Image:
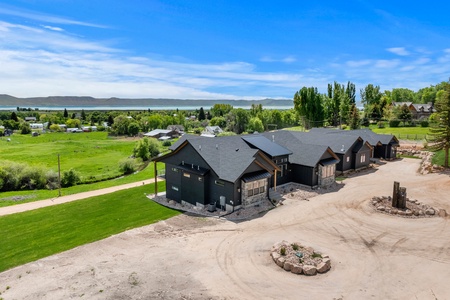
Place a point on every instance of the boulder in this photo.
(442, 213)
(275, 256)
(327, 261)
(280, 261)
(430, 212)
(309, 270)
(297, 269)
(381, 208)
(288, 266)
(408, 213)
(322, 267)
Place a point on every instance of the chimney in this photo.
(217, 146)
(273, 138)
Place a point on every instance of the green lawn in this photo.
(403, 133)
(35, 234)
(94, 155)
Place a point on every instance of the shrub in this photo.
(146, 148)
(70, 178)
(127, 166)
(381, 124)
(316, 255)
(167, 143)
(283, 251)
(52, 180)
(295, 247)
(101, 128)
(424, 123)
(394, 123)
(343, 126)
(25, 128)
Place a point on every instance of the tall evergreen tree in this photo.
(439, 137)
(14, 117)
(201, 114)
(66, 114)
(354, 119)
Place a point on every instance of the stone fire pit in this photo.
(299, 259)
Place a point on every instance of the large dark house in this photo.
(225, 172)
(232, 171)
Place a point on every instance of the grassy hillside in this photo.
(94, 155)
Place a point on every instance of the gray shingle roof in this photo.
(302, 153)
(266, 145)
(227, 156)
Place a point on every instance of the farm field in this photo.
(42, 232)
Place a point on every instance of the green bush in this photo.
(394, 123)
(16, 176)
(25, 128)
(167, 143)
(127, 166)
(70, 178)
(294, 247)
(283, 251)
(424, 123)
(381, 124)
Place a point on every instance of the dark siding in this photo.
(365, 150)
(189, 155)
(303, 175)
(173, 181)
(217, 190)
(193, 188)
(346, 165)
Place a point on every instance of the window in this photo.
(219, 183)
(328, 171)
(200, 178)
(363, 158)
(256, 187)
(187, 175)
(175, 188)
(348, 158)
(175, 169)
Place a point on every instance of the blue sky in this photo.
(222, 49)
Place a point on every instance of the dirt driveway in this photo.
(374, 256)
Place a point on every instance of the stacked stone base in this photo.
(310, 263)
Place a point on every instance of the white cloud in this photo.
(399, 51)
(52, 28)
(32, 15)
(40, 62)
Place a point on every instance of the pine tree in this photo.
(201, 114)
(66, 114)
(439, 136)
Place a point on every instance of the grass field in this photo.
(93, 155)
(35, 234)
(403, 133)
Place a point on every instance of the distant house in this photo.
(36, 126)
(30, 119)
(162, 134)
(89, 128)
(211, 131)
(177, 128)
(418, 110)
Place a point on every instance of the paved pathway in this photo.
(69, 198)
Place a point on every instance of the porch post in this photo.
(275, 181)
(156, 178)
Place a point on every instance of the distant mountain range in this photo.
(86, 101)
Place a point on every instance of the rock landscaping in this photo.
(298, 259)
(426, 166)
(414, 208)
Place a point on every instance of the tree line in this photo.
(338, 105)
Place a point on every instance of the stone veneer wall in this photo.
(253, 200)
